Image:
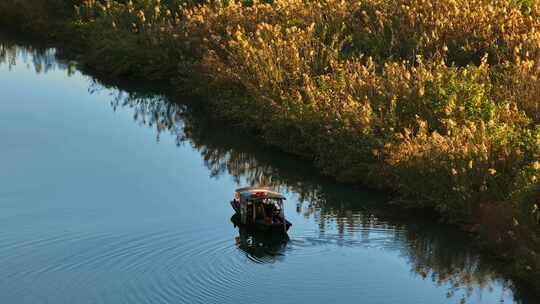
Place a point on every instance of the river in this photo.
(114, 194)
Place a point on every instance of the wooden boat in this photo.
(259, 208)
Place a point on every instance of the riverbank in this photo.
(402, 97)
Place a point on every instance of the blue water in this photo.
(116, 195)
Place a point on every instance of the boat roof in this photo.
(248, 192)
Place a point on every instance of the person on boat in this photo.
(260, 212)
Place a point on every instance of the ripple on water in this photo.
(183, 266)
(161, 265)
(315, 243)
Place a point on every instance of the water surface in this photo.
(117, 195)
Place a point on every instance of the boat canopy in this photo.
(248, 193)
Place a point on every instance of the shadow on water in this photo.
(434, 252)
(261, 247)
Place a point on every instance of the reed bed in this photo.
(41, 18)
(436, 100)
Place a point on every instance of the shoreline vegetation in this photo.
(435, 100)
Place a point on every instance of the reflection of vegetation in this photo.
(42, 59)
(432, 252)
(150, 110)
(8, 55)
(444, 260)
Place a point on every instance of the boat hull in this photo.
(261, 227)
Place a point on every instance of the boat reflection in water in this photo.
(261, 247)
